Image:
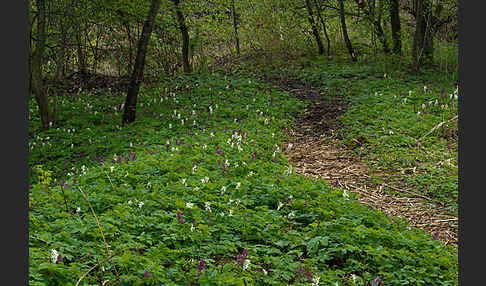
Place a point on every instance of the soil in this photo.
(316, 152)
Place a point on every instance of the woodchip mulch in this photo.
(316, 153)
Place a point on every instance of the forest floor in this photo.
(316, 152)
(209, 177)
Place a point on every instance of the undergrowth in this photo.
(389, 120)
(196, 191)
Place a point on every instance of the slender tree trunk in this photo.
(345, 31)
(422, 48)
(314, 28)
(395, 26)
(381, 36)
(81, 58)
(185, 37)
(318, 9)
(36, 66)
(137, 74)
(235, 28)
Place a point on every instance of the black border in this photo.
(15, 47)
(14, 90)
(471, 121)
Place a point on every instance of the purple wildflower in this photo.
(289, 199)
(376, 282)
(146, 274)
(436, 235)
(309, 276)
(306, 202)
(59, 259)
(200, 266)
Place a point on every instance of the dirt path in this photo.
(316, 153)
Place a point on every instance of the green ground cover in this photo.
(198, 192)
(390, 110)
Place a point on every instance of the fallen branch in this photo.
(96, 265)
(437, 127)
(110, 181)
(101, 232)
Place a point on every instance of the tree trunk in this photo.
(137, 74)
(381, 35)
(36, 66)
(235, 28)
(422, 49)
(81, 58)
(185, 37)
(345, 31)
(318, 9)
(314, 28)
(395, 26)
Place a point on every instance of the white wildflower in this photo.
(140, 204)
(223, 189)
(290, 146)
(207, 206)
(315, 281)
(170, 125)
(246, 264)
(291, 215)
(189, 205)
(221, 214)
(238, 185)
(54, 255)
(196, 189)
(78, 209)
(288, 171)
(149, 185)
(192, 227)
(230, 212)
(264, 271)
(345, 194)
(184, 181)
(280, 205)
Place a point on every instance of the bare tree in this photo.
(185, 37)
(314, 27)
(345, 31)
(235, 27)
(319, 15)
(37, 84)
(137, 75)
(395, 26)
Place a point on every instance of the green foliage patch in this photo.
(198, 192)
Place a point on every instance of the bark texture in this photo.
(37, 84)
(349, 46)
(137, 74)
(422, 48)
(320, 47)
(185, 37)
(395, 26)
